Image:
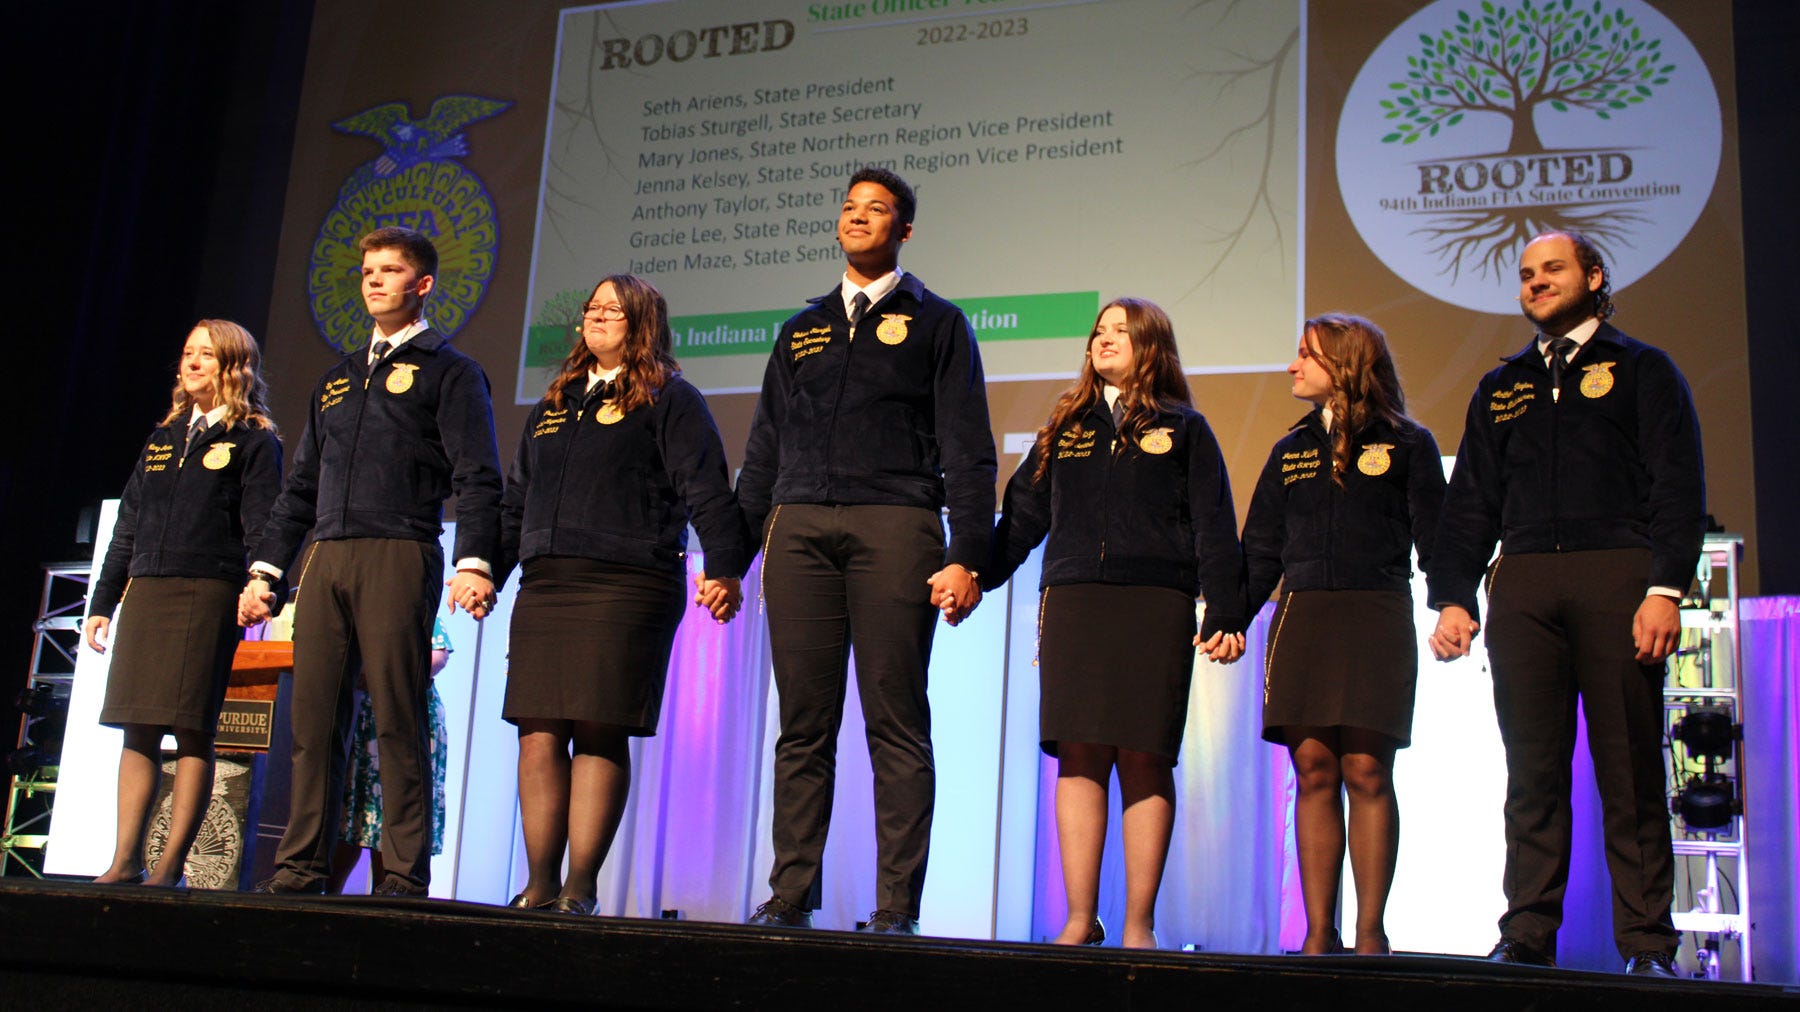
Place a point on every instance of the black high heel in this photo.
(1096, 933)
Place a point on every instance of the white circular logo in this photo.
(1476, 125)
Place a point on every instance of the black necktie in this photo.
(1118, 413)
(1560, 350)
(858, 306)
(377, 352)
(195, 432)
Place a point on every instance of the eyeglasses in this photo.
(612, 312)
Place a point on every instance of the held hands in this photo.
(254, 602)
(722, 596)
(954, 592)
(1455, 633)
(95, 631)
(472, 591)
(1222, 647)
(1656, 628)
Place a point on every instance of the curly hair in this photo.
(649, 347)
(240, 384)
(1157, 383)
(1365, 386)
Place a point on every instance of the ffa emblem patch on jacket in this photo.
(1156, 441)
(609, 413)
(1375, 459)
(1598, 381)
(892, 329)
(401, 379)
(217, 456)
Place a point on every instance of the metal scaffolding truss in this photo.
(32, 792)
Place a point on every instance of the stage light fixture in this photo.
(1706, 802)
(46, 718)
(1708, 732)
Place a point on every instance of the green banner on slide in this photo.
(995, 318)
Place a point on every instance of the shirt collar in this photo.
(876, 290)
(406, 334)
(212, 417)
(597, 375)
(1579, 335)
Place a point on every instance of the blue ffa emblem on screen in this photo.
(416, 182)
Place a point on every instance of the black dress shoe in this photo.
(519, 902)
(1652, 964)
(1096, 933)
(395, 886)
(278, 886)
(779, 913)
(890, 922)
(1509, 951)
(579, 906)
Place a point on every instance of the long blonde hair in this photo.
(241, 386)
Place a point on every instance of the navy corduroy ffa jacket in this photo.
(1152, 510)
(897, 416)
(191, 514)
(594, 484)
(382, 452)
(1615, 463)
(1308, 531)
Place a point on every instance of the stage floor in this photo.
(73, 944)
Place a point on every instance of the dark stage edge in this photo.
(68, 945)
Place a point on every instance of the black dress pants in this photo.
(837, 579)
(365, 605)
(1559, 627)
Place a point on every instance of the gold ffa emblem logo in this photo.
(401, 379)
(892, 329)
(217, 456)
(1156, 441)
(1598, 381)
(609, 413)
(1375, 459)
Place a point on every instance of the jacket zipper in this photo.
(762, 574)
(356, 435)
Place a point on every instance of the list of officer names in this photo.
(753, 178)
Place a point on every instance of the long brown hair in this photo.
(1157, 383)
(1365, 386)
(649, 347)
(241, 386)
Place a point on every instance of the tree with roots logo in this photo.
(1513, 62)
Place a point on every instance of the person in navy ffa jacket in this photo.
(1129, 486)
(392, 432)
(873, 417)
(1581, 457)
(1342, 502)
(615, 462)
(194, 504)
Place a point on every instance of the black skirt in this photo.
(1114, 666)
(1341, 658)
(591, 642)
(172, 651)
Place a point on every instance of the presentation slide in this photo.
(705, 144)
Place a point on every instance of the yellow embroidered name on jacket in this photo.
(1074, 443)
(1507, 405)
(334, 392)
(809, 342)
(1298, 465)
(157, 457)
(550, 423)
